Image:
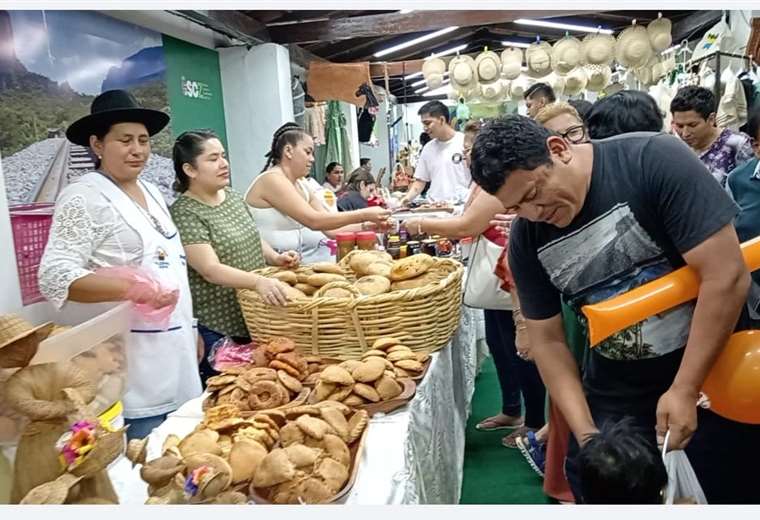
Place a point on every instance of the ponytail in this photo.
(289, 133)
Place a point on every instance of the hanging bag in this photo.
(482, 288)
(683, 485)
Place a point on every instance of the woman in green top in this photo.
(220, 240)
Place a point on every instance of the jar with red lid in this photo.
(366, 240)
(346, 243)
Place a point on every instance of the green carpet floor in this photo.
(494, 474)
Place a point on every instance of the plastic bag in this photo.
(144, 291)
(226, 353)
(682, 481)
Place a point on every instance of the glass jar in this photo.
(428, 246)
(346, 243)
(394, 248)
(366, 240)
(444, 247)
(413, 247)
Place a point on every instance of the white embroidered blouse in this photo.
(87, 233)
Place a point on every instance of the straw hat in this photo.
(633, 49)
(645, 74)
(492, 91)
(539, 59)
(518, 87)
(660, 36)
(19, 340)
(576, 81)
(598, 77)
(511, 62)
(462, 72)
(488, 66)
(567, 54)
(557, 83)
(598, 49)
(432, 72)
(54, 492)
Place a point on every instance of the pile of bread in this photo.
(373, 379)
(375, 271)
(301, 455)
(274, 380)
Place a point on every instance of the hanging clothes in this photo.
(337, 136)
(299, 99)
(314, 123)
(732, 108)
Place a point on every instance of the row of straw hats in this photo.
(581, 61)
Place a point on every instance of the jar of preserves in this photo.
(394, 248)
(346, 243)
(428, 246)
(366, 240)
(413, 247)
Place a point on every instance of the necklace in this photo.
(155, 223)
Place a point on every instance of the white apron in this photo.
(162, 365)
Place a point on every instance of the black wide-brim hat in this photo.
(110, 108)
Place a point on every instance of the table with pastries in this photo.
(413, 455)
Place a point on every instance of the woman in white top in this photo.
(112, 218)
(287, 213)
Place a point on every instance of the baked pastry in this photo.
(370, 370)
(379, 269)
(320, 279)
(356, 425)
(326, 267)
(336, 375)
(414, 283)
(385, 343)
(411, 267)
(267, 394)
(289, 382)
(388, 388)
(337, 449)
(340, 393)
(305, 288)
(372, 285)
(279, 344)
(274, 468)
(288, 277)
(367, 392)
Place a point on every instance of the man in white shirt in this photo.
(441, 162)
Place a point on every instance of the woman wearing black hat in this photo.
(110, 218)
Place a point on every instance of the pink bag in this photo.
(145, 291)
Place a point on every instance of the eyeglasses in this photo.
(575, 134)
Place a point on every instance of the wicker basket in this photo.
(425, 318)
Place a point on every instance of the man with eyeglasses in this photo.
(599, 219)
(441, 162)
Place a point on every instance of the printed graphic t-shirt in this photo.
(650, 200)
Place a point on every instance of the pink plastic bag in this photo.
(153, 300)
(226, 353)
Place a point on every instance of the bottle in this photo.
(346, 243)
(366, 240)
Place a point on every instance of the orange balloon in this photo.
(733, 384)
(618, 313)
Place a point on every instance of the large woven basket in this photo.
(424, 318)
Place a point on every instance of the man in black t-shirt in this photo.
(597, 220)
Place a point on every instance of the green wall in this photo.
(195, 87)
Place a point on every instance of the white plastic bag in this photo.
(482, 288)
(718, 38)
(682, 481)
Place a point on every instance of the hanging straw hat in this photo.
(488, 66)
(511, 62)
(492, 91)
(598, 77)
(432, 71)
(567, 54)
(575, 81)
(54, 492)
(660, 36)
(644, 74)
(539, 59)
(112, 107)
(598, 49)
(518, 87)
(557, 83)
(633, 49)
(19, 340)
(462, 72)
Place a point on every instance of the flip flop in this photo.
(498, 427)
(510, 441)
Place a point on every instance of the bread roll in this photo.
(289, 277)
(371, 285)
(411, 267)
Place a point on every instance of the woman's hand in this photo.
(376, 215)
(272, 291)
(288, 259)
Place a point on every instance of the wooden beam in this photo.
(301, 56)
(231, 23)
(395, 23)
(686, 27)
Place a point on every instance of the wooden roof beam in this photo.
(396, 23)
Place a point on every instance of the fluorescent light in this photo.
(412, 76)
(437, 92)
(415, 41)
(563, 26)
(422, 81)
(449, 51)
(425, 89)
(671, 49)
(405, 11)
(521, 45)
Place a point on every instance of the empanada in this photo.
(273, 469)
(367, 392)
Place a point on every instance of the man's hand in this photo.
(677, 412)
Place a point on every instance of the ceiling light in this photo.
(671, 49)
(422, 81)
(522, 45)
(405, 11)
(415, 41)
(425, 89)
(563, 26)
(412, 76)
(449, 51)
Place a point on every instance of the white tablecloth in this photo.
(412, 456)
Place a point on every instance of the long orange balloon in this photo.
(613, 315)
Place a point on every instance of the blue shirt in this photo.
(744, 186)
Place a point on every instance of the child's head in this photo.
(619, 466)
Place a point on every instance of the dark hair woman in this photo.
(360, 187)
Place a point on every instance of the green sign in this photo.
(195, 87)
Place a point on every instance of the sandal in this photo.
(510, 441)
(533, 451)
(492, 423)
